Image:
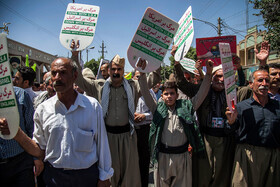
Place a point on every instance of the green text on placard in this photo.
(148, 37)
(148, 52)
(81, 14)
(79, 22)
(3, 58)
(77, 33)
(5, 80)
(7, 103)
(158, 28)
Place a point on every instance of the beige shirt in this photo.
(117, 114)
(118, 109)
(173, 131)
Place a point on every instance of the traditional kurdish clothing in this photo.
(119, 105)
(170, 134)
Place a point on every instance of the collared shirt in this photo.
(173, 131)
(117, 114)
(75, 138)
(257, 125)
(31, 93)
(10, 148)
(142, 108)
(276, 96)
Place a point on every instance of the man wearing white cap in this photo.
(214, 169)
(119, 98)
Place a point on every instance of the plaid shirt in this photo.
(10, 148)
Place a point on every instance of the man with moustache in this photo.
(274, 85)
(69, 134)
(256, 123)
(214, 168)
(119, 98)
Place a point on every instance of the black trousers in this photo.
(17, 171)
(143, 152)
(56, 177)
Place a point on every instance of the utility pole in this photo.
(219, 27)
(102, 50)
(87, 51)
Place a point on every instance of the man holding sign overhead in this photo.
(119, 98)
(215, 168)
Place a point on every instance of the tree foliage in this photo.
(93, 65)
(270, 11)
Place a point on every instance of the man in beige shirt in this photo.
(119, 98)
(173, 129)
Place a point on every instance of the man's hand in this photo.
(236, 61)
(4, 128)
(264, 52)
(39, 166)
(209, 66)
(105, 183)
(198, 64)
(141, 64)
(173, 51)
(74, 48)
(231, 116)
(139, 117)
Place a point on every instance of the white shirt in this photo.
(31, 93)
(74, 138)
(142, 108)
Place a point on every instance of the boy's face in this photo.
(169, 96)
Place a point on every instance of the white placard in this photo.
(79, 25)
(184, 36)
(152, 40)
(8, 104)
(188, 64)
(229, 75)
(99, 75)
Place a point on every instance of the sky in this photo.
(37, 23)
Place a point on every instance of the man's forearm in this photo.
(29, 145)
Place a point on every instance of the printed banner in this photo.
(229, 74)
(208, 48)
(152, 40)
(184, 36)
(8, 104)
(79, 24)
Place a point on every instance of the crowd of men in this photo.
(83, 131)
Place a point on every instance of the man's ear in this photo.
(251, 85)
(26, 84)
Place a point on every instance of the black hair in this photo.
(169, 84)
(27, 73)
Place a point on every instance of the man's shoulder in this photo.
(89, 100)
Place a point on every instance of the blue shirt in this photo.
(257, 125)
(10, 148)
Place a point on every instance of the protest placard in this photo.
(152, 39)
(229, 75)
(79, 25)
(184, 36)
(8, 103)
